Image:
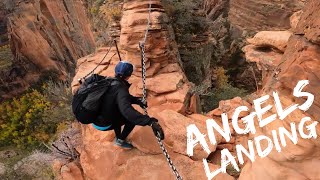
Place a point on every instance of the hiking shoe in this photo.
(122, 143)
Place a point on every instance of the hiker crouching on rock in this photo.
(117, 110)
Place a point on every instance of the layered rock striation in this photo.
(299, 61)
(284, 57)
(258, 15)
(46, 38)
(168, 100)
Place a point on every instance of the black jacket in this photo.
(117, 106)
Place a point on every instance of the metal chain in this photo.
(148, 25)
(144, 95)
(91, 72)
(144, 70)
(166, 154)
(144, 99)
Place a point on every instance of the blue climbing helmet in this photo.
(124, 69)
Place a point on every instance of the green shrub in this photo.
(98, 3)
(211, 100)
(222, 90)
(232, 171)
(21, 120)
(197, 60)
(185, 20)
(221, 78)
(114, 13)
(35, 117)
(94, 10)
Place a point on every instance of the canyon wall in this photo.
(229, 23)
(284, 57)
(258, 15)
(46, 38)
(287, 59)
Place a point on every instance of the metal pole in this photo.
(115, 42)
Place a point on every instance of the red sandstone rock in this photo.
(262, 15)
(267, 60)
(71, 171)
(167, 89)
(175, 126)
(194, 106)
(163, 83)
(295, 18)
(276, 39)
(45, 36)
(230, 147)
(310, 23)
(300, 62)
(229, 106)
(101, 160)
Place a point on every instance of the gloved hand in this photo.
(157, 130)
(141, 103)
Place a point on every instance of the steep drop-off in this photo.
(227, 24)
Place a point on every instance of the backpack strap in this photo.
(115, 82)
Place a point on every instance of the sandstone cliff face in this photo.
(45, 36)
(260, 15)
(300, 61)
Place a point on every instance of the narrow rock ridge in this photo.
(168, 97)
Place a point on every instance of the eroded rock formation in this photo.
(285, 57)
(168, 99)
(300, 61)
(230, 22)
(260, 15)
(47, 37)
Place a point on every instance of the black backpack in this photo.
(86, 101)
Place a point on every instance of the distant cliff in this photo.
(46, 38)
(258, 15)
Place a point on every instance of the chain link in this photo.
(166, 154)
(144, 70)
(144, 99)
(144, 95)
(91, 72)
